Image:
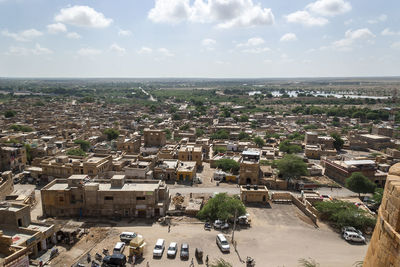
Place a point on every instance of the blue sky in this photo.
(199, 38)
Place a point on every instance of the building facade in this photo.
(78, 197)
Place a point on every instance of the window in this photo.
(140, 198)
(61, 199)
(108, 198)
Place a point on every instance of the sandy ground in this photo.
(279, 236)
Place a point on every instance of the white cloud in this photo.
(288, 37)
(56, 28)
(208, 42)
(256, 50)
(255, 41)
(145, 50)
(381, 18)
(39, 50)
(73, 35)
(329, 7)
(116, 48)
(82, 16)
(165, 52)
(351, 37)
(305, 18)
(23, 51)
(23, 36)
(395, 45)
(227, 14)
(122, 32)
(388, 32)
(89, 52)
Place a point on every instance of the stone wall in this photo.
(384, 247)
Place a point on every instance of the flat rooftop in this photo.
(359, 162)
(375, 136)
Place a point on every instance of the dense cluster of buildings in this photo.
(128, 175)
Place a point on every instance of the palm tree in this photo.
(221, 263)
(308, 262)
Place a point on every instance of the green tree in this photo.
(219, 150)
(199, 132)
(28, 150)
(343, 213)
(243, 136)
(111, 133)
(222, 207)
(168, 133)
(21, 128)
(184, 127)
(76, 152)
(85, 145)
(259, 141)
(228, 165)
(358, 183)
(291, 166)
(220, 134)
(244, 118)
(10, 113)
(338, 142)
(378, 194)
(285, 146)
(221, 263)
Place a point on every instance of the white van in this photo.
(127, 236)
(222, 243)
(159, 248)
(119, 248)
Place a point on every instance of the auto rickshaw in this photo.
(136, 247)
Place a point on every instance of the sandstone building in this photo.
(384, 247)
(78, 196)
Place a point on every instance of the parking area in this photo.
(279, 236)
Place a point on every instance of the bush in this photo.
(341, 213)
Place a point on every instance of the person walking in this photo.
(169, 228)
(207, 260)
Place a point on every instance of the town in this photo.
(197, 172)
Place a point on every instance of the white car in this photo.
(172, 250)
(222, 243)
(354, 237)
(218, 224)
(159, 248)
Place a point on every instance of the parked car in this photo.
(354, 237)
(185, 251)
(114, 260)
(172, 250)
(119, 248)
(159, 248)
(222, 243)
(207, 226)
(127, 236)
(350, 229)
(218, 224)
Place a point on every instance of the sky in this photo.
(199, 38)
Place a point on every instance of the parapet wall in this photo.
(384, 247)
